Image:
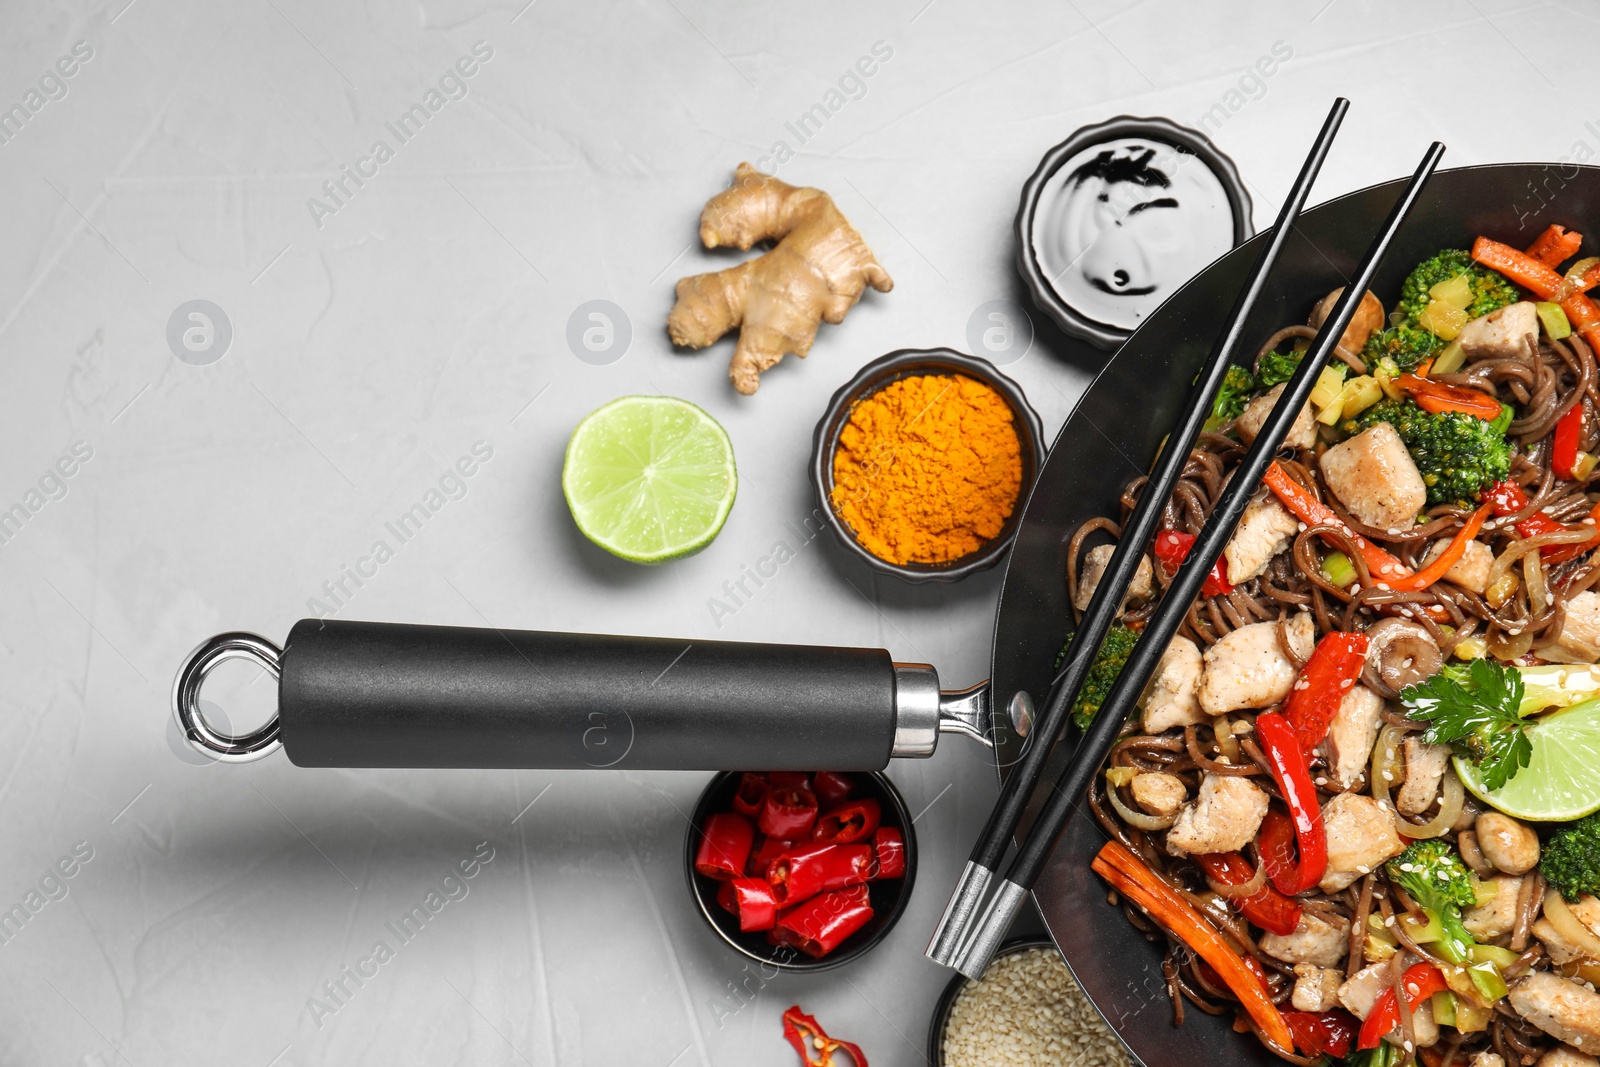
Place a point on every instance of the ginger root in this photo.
(817, 271)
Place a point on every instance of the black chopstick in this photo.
(1164, 621)
(990, 847)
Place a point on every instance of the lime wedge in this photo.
(1562, 780)
(649, 478)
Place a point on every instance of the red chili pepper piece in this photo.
(754, 903)
(1291, 770)
(1508, 499)
(807, 1036)
(789, 779)
(831, 787)
(801, 872)
(1267, 908)
(1438, 397)
(848, 822)
(751, 795)
(1328, 675)
(763, 852)
(724, 846)
(1421, 981)
(725, 897)
(1172, 548)
(890, 851)
(1564, 447)
(818, 926)
(788, 813)
(1323, 1033)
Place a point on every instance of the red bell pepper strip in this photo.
(1555, 246)
(1421, 981)
(1438, 397)
(848, 822)
(1172, 547)
(1323, 1033)
(1328, 675)
(1448, 558)
(807, 1036)
(724, 846)
(1267, 908)
(1128, 875)
(1275, 842)
(1564, 448)
(763, 852)
(889, 849)
(788, 812)
(1313, 512)
(1507, 498)
(1292, 771)
(753, 903)
(751, 795)
(831, 787)
(822, 923)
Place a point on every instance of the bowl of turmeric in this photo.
(921, 463)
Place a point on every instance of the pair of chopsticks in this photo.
(969, 933)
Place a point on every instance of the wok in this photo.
(386, 695)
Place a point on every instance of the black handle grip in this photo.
(367, 694)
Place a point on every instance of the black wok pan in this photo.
(384, 695)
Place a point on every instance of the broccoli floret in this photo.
(1406, 344)
(1434, 876)
(1275, 367)
(1490, 291)
(1234, 393)
(1103, 674)
(1571, 858)
(1457, 454)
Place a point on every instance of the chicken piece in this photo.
(1247, 668)
(1361, 835)
(1315, 940)
(1471, 571)
(1506, 843)
(1171, 699)
(1488, 1059)
(1222, 818)
(1360, 993)
(1492, 921)
(1266, 529)
(1580, 632)
(1369, 316)
(1561, 950)
(1348, 746)
(1094, 568)
(1563, 1009)
(1561, 1056)
(1425, 767)
(1506, 333)
(1159, 794)
(1302, 435)
(1374, 476)
(1316, 988)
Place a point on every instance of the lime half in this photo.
(1562, 780)
(649, 478)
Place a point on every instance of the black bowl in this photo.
(909, 363)
(1185, 140)
(888, 897)
(1132, 404)
(947, 1000)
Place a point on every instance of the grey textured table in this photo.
(379, 331)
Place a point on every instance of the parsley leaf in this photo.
(1475, 712)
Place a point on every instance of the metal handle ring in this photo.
(202, 737)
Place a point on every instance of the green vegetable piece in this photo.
(1383, 1054)
(1407, 342)
(1103, 672)
(1337, 568)
(1276, 367)
(1457, 454)
(1554, 320)
(1232, 396)
(1477, 716)
(1407, 345)
(1502, 422)
(1434, 876)
(1570, 860)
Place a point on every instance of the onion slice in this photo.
(1449, 807)
(1502, 563)
(1569, 925)
(1533, 575)
(1138, 819)
(1385, 761)
(1243, 889)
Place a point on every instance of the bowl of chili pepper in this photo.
(801, 870)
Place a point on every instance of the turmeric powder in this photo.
(927, 469)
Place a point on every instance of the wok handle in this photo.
(366, 694)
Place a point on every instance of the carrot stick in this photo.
(1555, 246)
(1130, 877)
(1518, 266)
(1449, 557)
(1313, 512)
